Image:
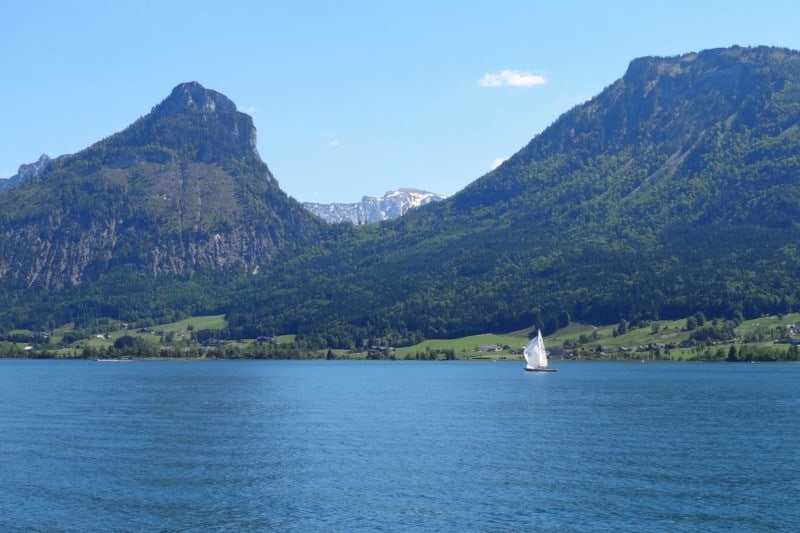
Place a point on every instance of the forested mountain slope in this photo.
(675, 190)
(182, 190)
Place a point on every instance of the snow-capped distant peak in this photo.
(391, 205)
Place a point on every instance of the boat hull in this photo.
(540, 369)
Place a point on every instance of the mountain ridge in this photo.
(655, 198)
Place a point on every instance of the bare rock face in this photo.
(192, 96)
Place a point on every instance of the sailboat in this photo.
(536, 356)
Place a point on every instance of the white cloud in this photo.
(512, 78)
(249, 110)
(497, 162)
(335, 143)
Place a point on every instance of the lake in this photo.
(374, 445)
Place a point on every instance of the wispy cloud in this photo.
(511, 78)
(249, 110)
(497, 162)
(335, 143)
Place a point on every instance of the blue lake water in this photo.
(335, 445)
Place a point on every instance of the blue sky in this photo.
(350, 98)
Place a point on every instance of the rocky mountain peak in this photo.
(26, 171)
(198, 120)
(193, 97)
(180, 191)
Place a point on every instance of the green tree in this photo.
(125, 342)
(563, 319)
(732, 354)
(700, 318)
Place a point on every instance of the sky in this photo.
(349, 98)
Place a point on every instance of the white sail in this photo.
(535, 353)
(529, 354)
(542, 352)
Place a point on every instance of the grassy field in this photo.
(466, 346)
(180, 330)
(196, 323)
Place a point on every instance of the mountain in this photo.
(25, 172)
(391, 205)
(182, 191)
(675, 190)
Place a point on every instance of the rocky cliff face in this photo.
(391, 205)
(182, 190)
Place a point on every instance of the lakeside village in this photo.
(775, 338)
